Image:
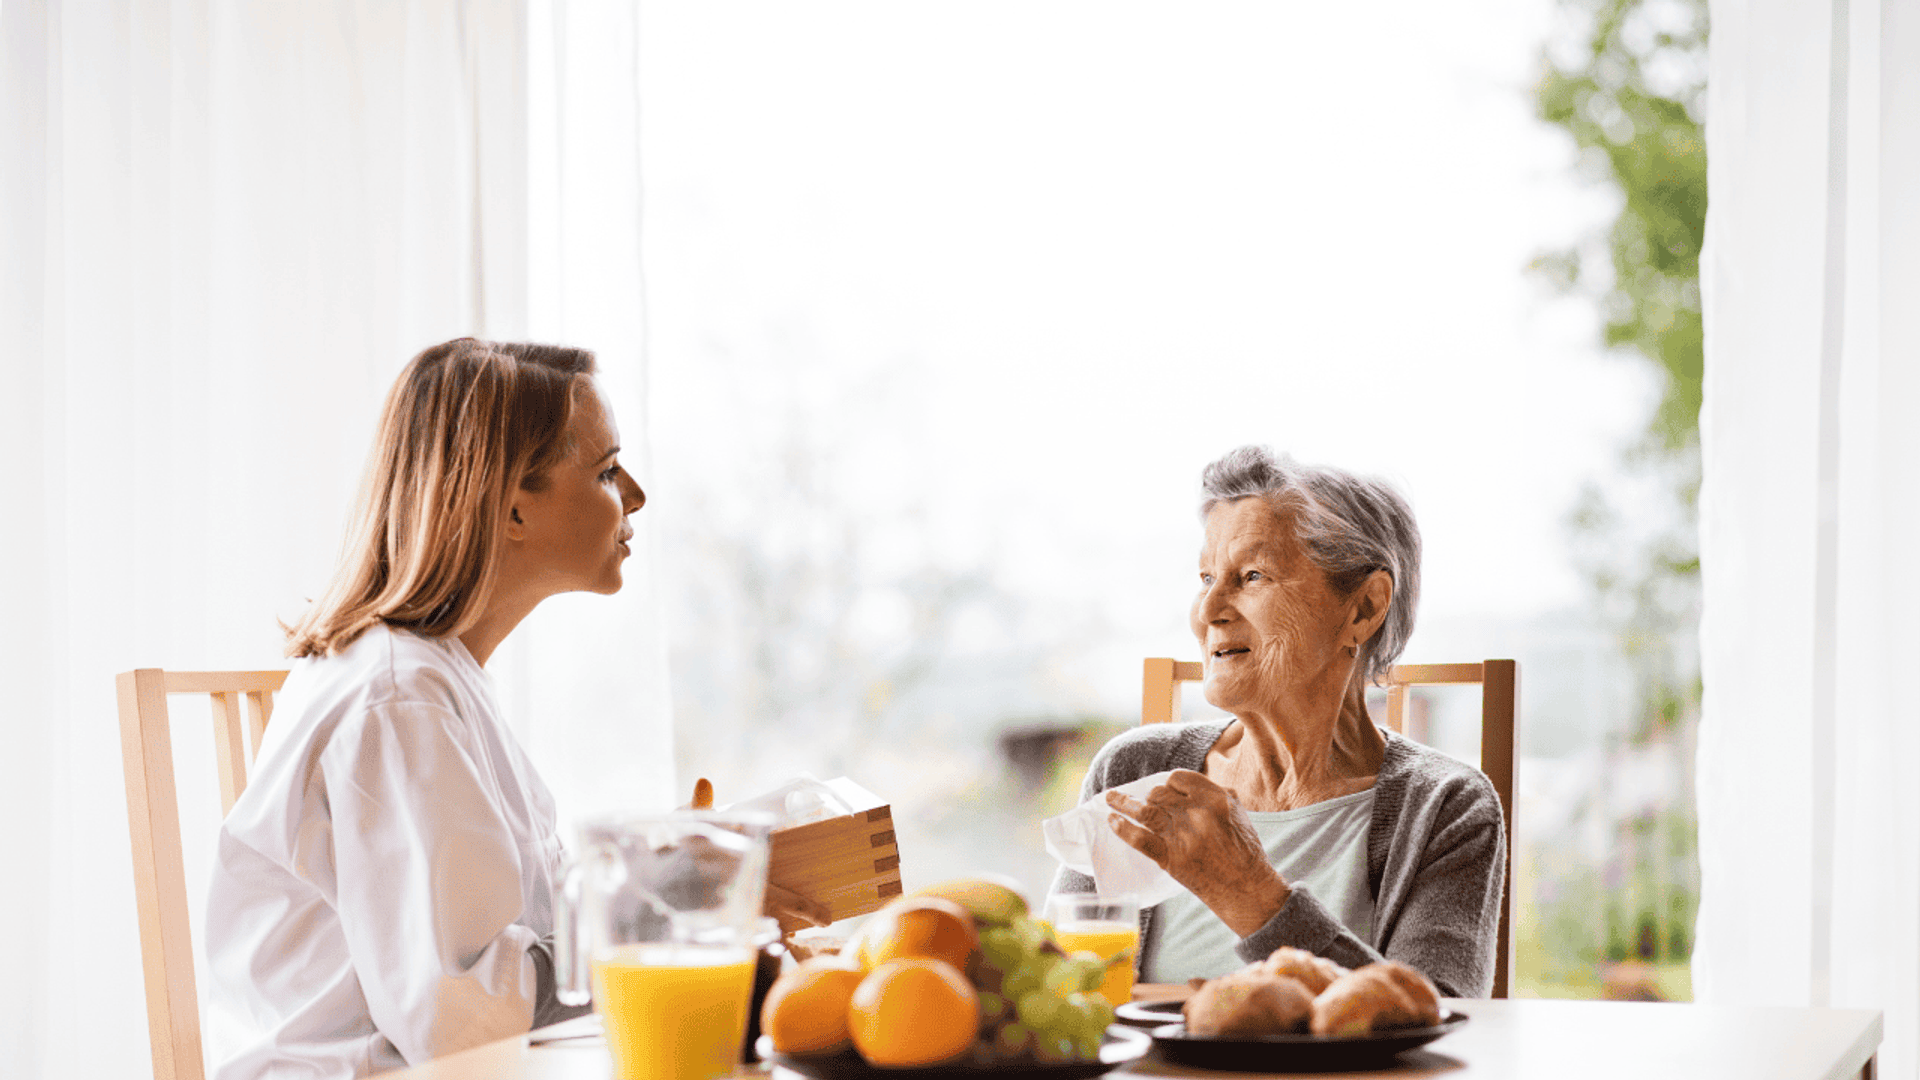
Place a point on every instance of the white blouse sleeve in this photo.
(427, 877)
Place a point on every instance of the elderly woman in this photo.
(1295, 820)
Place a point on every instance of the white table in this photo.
(1515, 1038)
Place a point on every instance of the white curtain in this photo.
(1809, 806)
(223, 229)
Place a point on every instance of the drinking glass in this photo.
(661, 911)
(1105, 926)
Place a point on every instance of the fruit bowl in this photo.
(1119, 1046)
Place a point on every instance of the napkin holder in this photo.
(850, 863)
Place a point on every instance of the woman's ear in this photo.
(1370, 604)
(516, 528)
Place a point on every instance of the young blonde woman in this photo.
(382, 891)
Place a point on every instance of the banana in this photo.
(992, 901)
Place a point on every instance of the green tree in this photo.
(1628, 85)
(1631, 96)
(1627, 82)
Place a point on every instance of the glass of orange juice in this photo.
(660, 912)
(1106, 926)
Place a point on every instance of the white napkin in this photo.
(1082, 839)
(799, 801)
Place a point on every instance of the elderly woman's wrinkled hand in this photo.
(1198, 833)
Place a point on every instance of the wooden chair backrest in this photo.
(153, 819)
(1499, 682)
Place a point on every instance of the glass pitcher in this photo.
(660, 912)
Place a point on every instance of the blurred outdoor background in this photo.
(947, 307)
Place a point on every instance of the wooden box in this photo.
(850, 863)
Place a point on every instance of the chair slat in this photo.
(259, 711)
(1499, 759)
(1434, 674)
(211, 682)
(230, 750)
(1160, 688)
(1159, 692)
(1397, 700)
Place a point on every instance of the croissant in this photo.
(1248, 1003)
(1314, 972)
(1379, 996)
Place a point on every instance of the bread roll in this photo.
(1375, 998)
(1248, 1004)
(1315, 973)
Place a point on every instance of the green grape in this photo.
(1044, 967)
(1028, 933)
(1063, 978)
(992, 1007)
(1089, 971)
(1102, 1010)
(1076, 1017)
(1087, 1048)
(1002, 948)
(1012, 1040)
(1039, 1010)
(1053, 1050)
(1019, 982)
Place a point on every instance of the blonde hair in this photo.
(464, 425)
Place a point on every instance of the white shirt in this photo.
(1320, 848)
(377, 886)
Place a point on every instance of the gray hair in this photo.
(1348, 525)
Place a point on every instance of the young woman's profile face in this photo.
(574, 531)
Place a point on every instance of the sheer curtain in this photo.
(1809, 810)
(223, 228)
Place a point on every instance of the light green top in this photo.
(1320, 848)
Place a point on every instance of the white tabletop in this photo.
(1515, 1038)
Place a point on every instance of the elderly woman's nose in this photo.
(1214, 606)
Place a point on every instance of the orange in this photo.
(919, 928)
(806, 1009)
(909, 1013)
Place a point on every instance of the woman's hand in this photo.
(794, 912)
(1197, 832)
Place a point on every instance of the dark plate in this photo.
(1120, 1046)
(1298, 1053)
(1149, 1013)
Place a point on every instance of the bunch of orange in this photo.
(898, 992)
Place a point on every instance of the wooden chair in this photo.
(153, 818)
(1499, 682)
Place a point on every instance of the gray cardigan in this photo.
(1436, 850)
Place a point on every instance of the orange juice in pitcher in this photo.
(659, 912)
(673, 1012)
